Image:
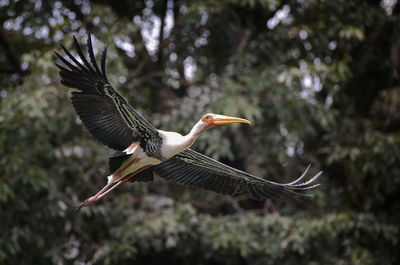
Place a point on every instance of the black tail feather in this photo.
(116, 161)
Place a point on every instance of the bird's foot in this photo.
(87, 202)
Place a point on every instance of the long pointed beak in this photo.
(222, 119)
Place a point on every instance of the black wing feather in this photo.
(91, 55)
(103, 61)
(105, 113)
(196, 170)
(83, 58)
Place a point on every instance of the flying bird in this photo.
(144, 151)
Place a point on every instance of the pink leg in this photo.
(110, 189)
(106, 189)
(94, 197)
(125, 179)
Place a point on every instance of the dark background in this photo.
(318, 79)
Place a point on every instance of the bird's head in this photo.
(210, 120)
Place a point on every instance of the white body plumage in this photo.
(172, 144)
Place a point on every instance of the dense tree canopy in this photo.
(318, 79)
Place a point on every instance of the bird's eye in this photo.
(207, 118)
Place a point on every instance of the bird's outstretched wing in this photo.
(196, 170)
(105, 113)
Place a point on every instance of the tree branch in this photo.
(138, 81)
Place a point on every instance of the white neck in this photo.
(197, 129)
(174, 143)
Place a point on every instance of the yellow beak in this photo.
(222, 119)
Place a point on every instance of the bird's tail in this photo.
(110, 178)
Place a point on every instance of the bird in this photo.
(144, 152)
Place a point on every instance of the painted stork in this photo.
(144, 151)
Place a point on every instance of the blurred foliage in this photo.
(319, 80)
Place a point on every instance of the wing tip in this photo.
(91, 54)
(103, 60)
